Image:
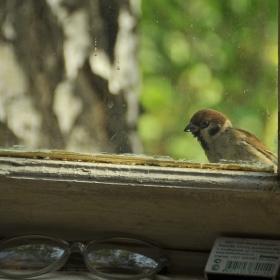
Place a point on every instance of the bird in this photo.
(223, 142)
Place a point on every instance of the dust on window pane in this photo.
(126, 77)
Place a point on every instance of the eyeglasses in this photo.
(110, 258)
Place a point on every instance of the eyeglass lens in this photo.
(123, 257)
(26, 256)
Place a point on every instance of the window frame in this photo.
(28, 183)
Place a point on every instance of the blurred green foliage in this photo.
(195, 54)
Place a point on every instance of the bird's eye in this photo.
(204, 124)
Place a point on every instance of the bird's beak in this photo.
(191, 127)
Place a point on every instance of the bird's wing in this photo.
(252, 140)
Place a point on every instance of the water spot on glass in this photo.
(118, 67)
(194, 38)
(110, 104)
(95, 47)
(113, 136)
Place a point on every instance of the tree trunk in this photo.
(75, 75)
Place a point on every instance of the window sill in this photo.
(181, 209)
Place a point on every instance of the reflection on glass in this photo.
(71, 81)
(24, 259)
(121, 261)
(125, 257)
(110, 258)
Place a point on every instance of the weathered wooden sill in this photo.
(127, 159)
(179, 208)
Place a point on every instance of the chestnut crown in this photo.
(201, 117)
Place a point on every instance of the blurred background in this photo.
(126, 76)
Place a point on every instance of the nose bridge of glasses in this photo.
(76, 247)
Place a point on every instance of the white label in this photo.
(248, 257)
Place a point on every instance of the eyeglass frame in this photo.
(71, 247)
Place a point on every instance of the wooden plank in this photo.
(180, 209)
(177, 208)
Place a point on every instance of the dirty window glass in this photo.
(127, 76)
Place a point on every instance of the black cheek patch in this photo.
(214, 131)
(203, 143)
(196, 134)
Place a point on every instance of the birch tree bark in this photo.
(70, 78)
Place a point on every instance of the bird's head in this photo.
(207, 125)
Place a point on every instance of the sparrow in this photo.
(221, 141)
